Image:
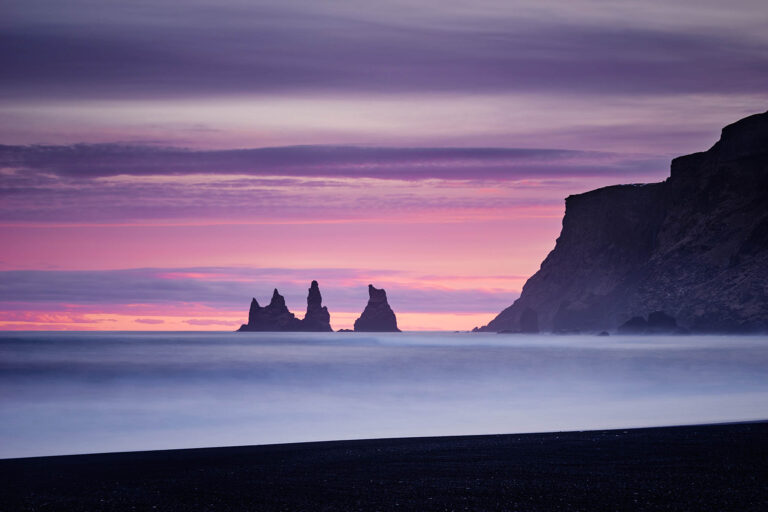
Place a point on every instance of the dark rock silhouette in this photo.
(377, 316)
(694, 246)
(658, 323)
(277, 317)
(635, 325)
(273, 317)
(529, 321)
(317, 317)
(529, 324)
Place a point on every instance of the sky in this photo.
(162, 162)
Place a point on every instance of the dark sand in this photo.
(715, 467)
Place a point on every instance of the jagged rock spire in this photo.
(276, 316)
(314, 299)
(253, 312)
(317, 317)
(377, 316)
(278, 301)
(273, 317)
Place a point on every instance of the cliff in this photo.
(694, 247)
(377, 315)
(276, 316)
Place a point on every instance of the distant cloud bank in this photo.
(205, 48)
(103, 160)
(232, 289)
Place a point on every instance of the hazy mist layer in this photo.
(63, 393)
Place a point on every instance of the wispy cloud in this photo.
(150, 321)
(112, 183)
(438, 138)
(228, 289)
(299, 47)
(103, 160)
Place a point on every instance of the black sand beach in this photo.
(712, 467)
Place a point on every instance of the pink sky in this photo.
(487, 250)
(161, 164)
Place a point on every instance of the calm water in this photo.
(66, 393)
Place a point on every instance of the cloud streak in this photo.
(103, 160)
(267, 49)
(111, 183)
(160, 291)
(430, 137)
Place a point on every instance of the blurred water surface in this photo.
(83, 392)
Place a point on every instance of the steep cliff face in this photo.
(694, 247)
(377, 315)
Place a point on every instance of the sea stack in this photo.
(273, 317)
(377, 316)
(317, 318)
(689, 253)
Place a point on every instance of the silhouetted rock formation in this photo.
(317, 317)
(658, 323)
(273, 317)
(694, 246)
(377, 316)
(277, 317)
(634, 325)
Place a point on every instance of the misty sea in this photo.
(85, 392)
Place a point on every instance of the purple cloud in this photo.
(114, 183)
(101, 160)
(231, 289)
(273, 49)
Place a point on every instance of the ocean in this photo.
(85, 392)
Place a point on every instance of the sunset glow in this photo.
(156, 178)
